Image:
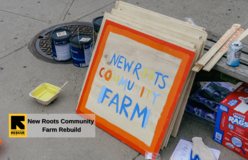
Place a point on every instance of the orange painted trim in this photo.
(162, 125)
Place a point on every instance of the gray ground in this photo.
(20, 20)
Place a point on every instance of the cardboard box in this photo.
(231, 128)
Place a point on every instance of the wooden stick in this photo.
(206, 57)
(197, 68)
(243, 35)
(63, 85)
(222, 51)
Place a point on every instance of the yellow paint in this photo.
(45, 92)
(148, 93)
(151, 75)
(116, 78)
(144, 73)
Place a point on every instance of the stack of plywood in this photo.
(171, 32)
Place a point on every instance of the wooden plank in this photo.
(135, 20)
(205, 58)
(97, 42)
(145, 32)
(222, 51)
(243, 35)
(176, 119)
(137, 26)
(167, 23)
(182, 109)
(120, 4)
(213, 38)
(120, 46)
(240, 72)
(232, 71)
(197, 68)
(154, 19)
(190, 39)
(100, 31)
(158, 27)
(199, 49)
(180, 106)
(177, 115)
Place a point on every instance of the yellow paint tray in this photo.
(46, 93)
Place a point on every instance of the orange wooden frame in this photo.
(187, 57)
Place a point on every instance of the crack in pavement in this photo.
(13, 51)
(68, 10)
(24, 16)
(95, 10)
(137, 156)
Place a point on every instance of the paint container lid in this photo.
(81, 39)
(60, 34)
(97, 23)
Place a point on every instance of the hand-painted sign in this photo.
(133, 84)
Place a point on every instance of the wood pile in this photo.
(156, 54)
